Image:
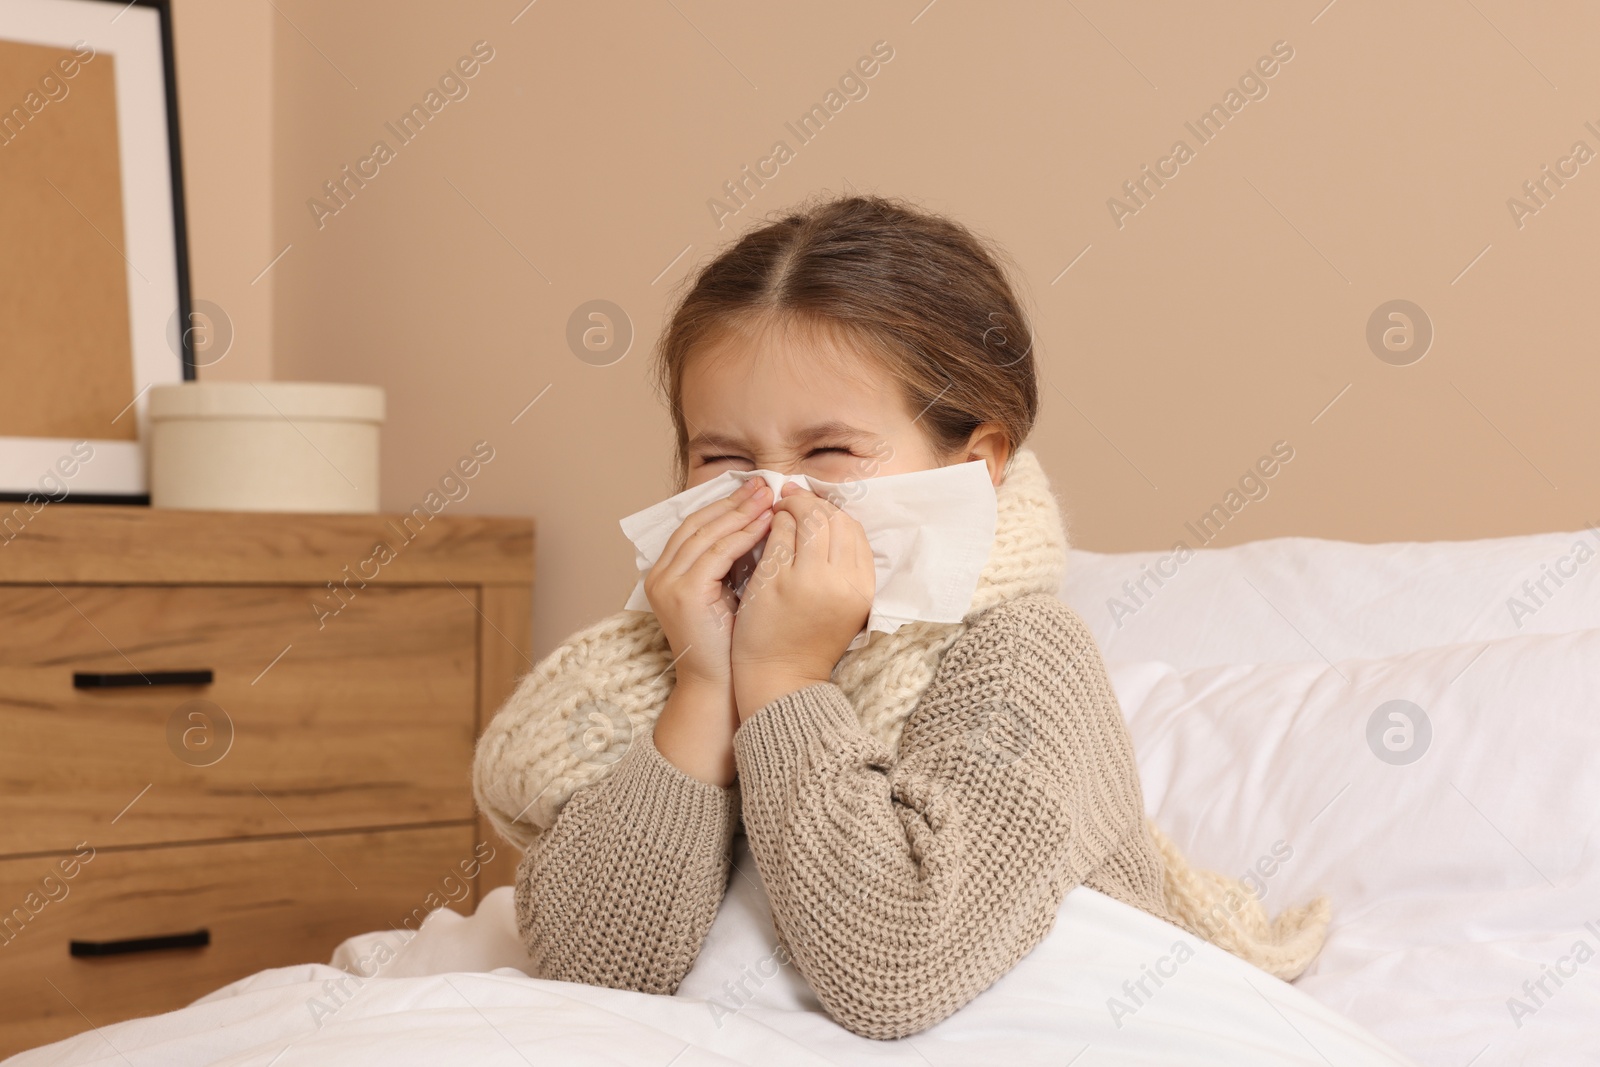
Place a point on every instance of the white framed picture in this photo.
(93, 260)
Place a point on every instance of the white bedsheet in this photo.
(1053, 1007)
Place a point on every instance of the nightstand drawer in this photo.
(257, 904)
(364, 718)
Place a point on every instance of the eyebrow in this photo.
(832, 428)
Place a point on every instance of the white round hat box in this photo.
(265, 446)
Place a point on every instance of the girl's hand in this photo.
(685, 586)
(809, 596)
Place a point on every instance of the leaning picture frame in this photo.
(94, 271)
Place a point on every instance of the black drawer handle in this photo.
(198, 939)
(91, 680)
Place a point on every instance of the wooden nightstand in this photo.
(228, 741)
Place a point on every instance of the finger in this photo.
(730, 608)
(711, 523)
(833, 526)
(778, 556)
(844, 537)
(865, 565)
(855, 535)
(710, 513)
(718, 559)
(847, 548)
(864, 555)
(811, 514)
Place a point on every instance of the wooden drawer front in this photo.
(365, 722)
(269, 903)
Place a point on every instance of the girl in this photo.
(917, 807)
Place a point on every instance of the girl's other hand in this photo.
(685, 586)
(809, 596)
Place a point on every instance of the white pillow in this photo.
(1297, 599)
(1458, 844)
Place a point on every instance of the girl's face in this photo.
(797, 402)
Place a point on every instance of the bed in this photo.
(1410, 728)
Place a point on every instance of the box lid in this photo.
(268, 400)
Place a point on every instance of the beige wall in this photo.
(1226, 314)
(225, 85)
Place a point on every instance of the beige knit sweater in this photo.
(902, 886)
(917, 819)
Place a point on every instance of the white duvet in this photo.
(1068, 1001)
(1370, 721)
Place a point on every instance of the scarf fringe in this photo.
(1227, 912)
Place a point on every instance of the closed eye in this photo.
(742, 459)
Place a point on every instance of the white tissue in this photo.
(931, 532)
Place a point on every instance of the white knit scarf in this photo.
(577, 712)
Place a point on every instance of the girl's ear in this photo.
(990, 444)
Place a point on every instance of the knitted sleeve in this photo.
(904, 886)
(622, 890)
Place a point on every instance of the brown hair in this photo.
(922, 295)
